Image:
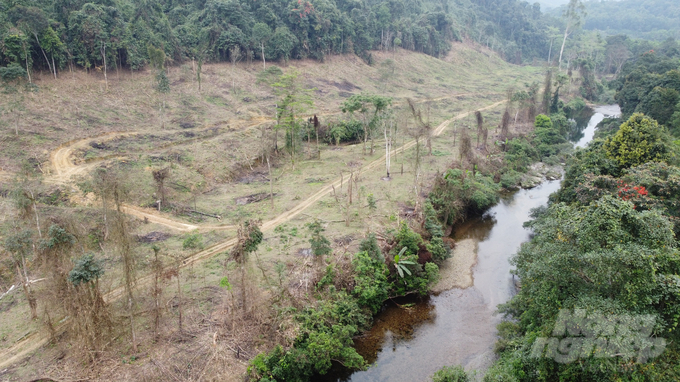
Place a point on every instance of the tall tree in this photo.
(162, 84)
(573, 16)
(294, 101)
(372, 109)
(261, 35)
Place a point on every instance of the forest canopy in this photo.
(52, 35)
(648, 19)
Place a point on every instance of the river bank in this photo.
(459, 320)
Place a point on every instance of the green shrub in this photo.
(325, 334)
(639, 140)
(549, 133)
(345, 131)
(511, 179)
(320, 244)
(432, 224)
(520, 154)
(406, 237)
(193, 241)
(574, 106)
(451, 374)
(458, 194)
(370, 246)
(439, 250)
(85, 269)
(269, 76)
(371, 287)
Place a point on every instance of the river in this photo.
(458, 327)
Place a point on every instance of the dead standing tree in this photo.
(505, 129)
(466, 152)
(249, 237)
(160, 176)
(157, 290)
(314, 122)
(480, 125)
(420, 130)
(123, 244)
(21, 246)
(54, 256)
(421, 124)
(91, 319)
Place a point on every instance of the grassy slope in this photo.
(77, 106)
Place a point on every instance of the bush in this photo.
(459, 194)
(639, 140)
(371, 287)
(549, 133)
(432, 224)
(345, 131)
(519, 154)
(451, 374)
(511, 179)
(85, 269)
(406, 237)
(370, 246)
(607, 128)
(193, 241)
(574, 106)
(325, 334)
(439, 250)
(269, 76)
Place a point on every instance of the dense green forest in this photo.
(650, 84)
(52, 35)
(600, 286)
(648, 19)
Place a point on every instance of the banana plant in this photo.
(401, 265)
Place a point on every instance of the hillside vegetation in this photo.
(108, 34)
(194, 227)
(644, 19)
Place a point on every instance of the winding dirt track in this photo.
(36, 340)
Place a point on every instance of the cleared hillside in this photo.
(211, 140)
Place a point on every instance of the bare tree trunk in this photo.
(28, 72)
(243, 289)
(264, 62)
(388, 149)
(35, 210)
(318, 148)
(566, 34)
(179, 297)
(27, 289)
(132, 323)
(271, 182)
(45, 55)
(417, 168)
(106, 79)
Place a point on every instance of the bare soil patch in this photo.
(254, 198)
(153, 237)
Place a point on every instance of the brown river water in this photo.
(411, 341)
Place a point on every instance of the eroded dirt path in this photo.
(38, 339)
(65, 169)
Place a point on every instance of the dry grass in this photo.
(209, 171)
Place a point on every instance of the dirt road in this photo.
(35, 340)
